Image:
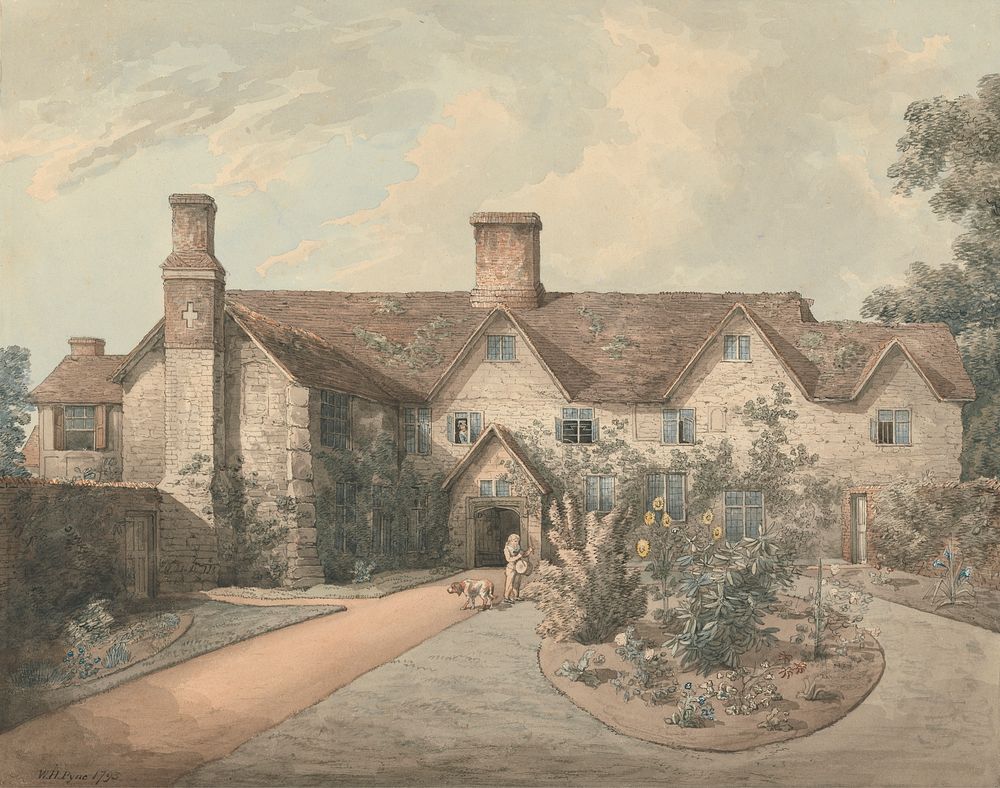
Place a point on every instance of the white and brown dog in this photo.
(473, 590)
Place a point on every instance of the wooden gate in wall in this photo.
(140, 554)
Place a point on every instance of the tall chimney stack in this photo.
(193, 223)
(507, 260)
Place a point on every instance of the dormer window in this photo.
(736, 347)
(500, 347)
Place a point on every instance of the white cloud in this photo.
(291, 258)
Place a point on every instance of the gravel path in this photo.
(153, 730)
(471, 707)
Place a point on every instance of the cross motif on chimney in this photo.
(189, 315)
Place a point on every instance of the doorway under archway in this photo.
(493, 526)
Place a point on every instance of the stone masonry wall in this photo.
(518, 393)
(143, 426)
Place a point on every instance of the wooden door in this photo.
(139, 544)
(859, 528)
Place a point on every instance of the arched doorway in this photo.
(493, 526)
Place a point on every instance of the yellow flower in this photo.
(649, 519)
(717, 533)
(666, 520)
(658, 503)
(642, 548)
(707, 517)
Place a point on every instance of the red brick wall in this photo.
(508, 251)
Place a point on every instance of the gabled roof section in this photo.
(600, 347)
(32, 450)
(147, 343)
(310, 360)
(881, 354)
(512, 447)
(526, 338)
(739, 308)
(81, 380)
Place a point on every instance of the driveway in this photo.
(153, 730)
(471, 707)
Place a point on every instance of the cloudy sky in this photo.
(671, 146)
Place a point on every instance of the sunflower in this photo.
(642, 548)
(707, 517)
(658, 503)
(717, 533)
(649, 518)
(667, 521)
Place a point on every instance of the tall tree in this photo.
(15, 367)
(952, 148)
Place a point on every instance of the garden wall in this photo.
(62, 543)
(910, 525)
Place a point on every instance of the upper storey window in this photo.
(500, 347)
(736, 347)
(891, 428)
(334, 423)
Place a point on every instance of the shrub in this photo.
(833, 606)
(913, 523)
(728, 590)
(592, 591)
(652, 679)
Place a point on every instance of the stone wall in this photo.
(143, 425)
(16, 534)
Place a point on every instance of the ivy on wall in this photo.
(386, 487)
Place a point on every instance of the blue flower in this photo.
(701, 700)
(947, 554)
(967, 572)
(708, 713)
(688, 685)
(69, 653)
(938, 564)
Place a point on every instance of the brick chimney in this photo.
(507, 260)
(86, 346)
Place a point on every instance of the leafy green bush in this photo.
(580, 670)
(914, 523)
(592, 591)
(728, 589)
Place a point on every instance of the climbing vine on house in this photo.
(368, 510)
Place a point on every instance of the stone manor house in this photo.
(277, 378)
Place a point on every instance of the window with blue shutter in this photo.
(678, 426)
(577, 425)
(892, 428)
(500, 348)
(464, 427)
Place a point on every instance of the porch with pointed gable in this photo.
(484, 512)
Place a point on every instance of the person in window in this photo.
(461, 430)
(517, 567)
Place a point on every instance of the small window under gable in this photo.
(500, 347)
(891, 427)
(464, 427)
(678, 426)
(736, 347)
(577, 425)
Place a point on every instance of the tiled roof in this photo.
(81, 380)
(509, 442)
(602, 347)
(31, 449)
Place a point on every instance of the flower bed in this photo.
(95, 652)
(636, 687)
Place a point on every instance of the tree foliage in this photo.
(15, 367)
(952, 148)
